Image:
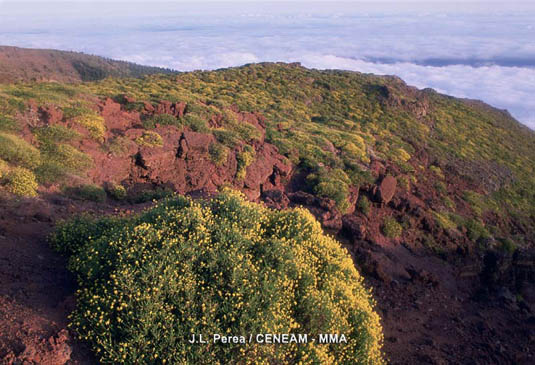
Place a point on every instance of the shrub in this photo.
(87, 192)
(150, 139)
(226, 137)
(147, 283)
(56, 134)
(332, 184)
(476, 230)
(364, 205)
(391, 228)
(61, 160)
(218, 153)
(18, 152)
(95, 125)
(245, 158)
(151, 195)
(21, 181)
(120, 145)
(161, 119)
(4, 168)
(8, 124)
(117, 192)
(196, 123)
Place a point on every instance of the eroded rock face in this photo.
(322, 208)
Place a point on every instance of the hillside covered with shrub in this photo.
(433, 196)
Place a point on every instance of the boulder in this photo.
(387, 189)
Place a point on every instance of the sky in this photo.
(481, 50)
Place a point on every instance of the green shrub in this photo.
(508, 245)
(87, 192)
(195, 123)
(61, 160)
(225, 266)
(56, 134)
(117, 192)
(150, 139)
(21, 181)
(226, 137)
(218, 153)
(476, 230)
(8, 124)
(161, 119)
(364, 205)
(151, 195)
(444, 221)
(391, 228)
(332, 184)
(18, 152)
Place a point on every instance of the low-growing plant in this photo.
(8, 124)
(56, 134)
(223, 266)
(95, 125)
(364, 205)
(391, 228)
(476, 230)
(120, 145)
(195, 123)
(245, 158)
(218, 153)
(149, 195)
(21, 181)
(117, 192)
(162, 120)
(88, 192)
(332, 184)
(149, 139)
(17, 151)
(4, 168)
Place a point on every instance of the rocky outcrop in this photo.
(323, 209)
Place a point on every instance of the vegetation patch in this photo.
(147, 283)
(21, 181)
(333, 184)
(162, 120)
(95, 125)
(117, 192)
(17, 151)
(218, 153)
(149, 139)
(364, 205)
(391, 228)
(245, 158)
(88, 192)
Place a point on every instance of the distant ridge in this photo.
(25, 64)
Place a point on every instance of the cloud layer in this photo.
(465, 52)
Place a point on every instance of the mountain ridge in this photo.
(31, 64)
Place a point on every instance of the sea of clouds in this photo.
(479, 51)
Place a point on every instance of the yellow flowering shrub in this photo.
(245, 158)
(4, 168)
(222, 266)
(150, 139)
(95, 125)
(21, 181)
